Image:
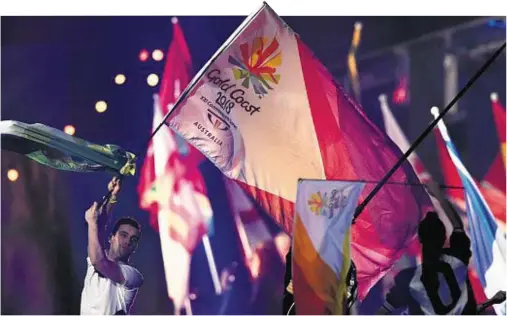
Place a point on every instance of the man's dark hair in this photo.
(125, 221)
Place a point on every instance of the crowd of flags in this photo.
(295, 153)
(270, 117)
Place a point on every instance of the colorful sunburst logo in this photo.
(317, 202)
(256, 64)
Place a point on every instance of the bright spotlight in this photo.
(152, 80)
(101, 106)
(12, 175)
(120, 79)
(157, 55)
(69, 129)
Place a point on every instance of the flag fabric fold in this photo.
(322, 243)
(56, 149)
(395, 132)
(266, 112)
(488, 240)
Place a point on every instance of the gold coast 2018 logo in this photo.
(324, 205)
(256, 63)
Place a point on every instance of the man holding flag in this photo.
(111, 284)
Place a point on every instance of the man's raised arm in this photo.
(97, 220)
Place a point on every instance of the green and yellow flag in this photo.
(56, 149)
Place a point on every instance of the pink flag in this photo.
(266, 112)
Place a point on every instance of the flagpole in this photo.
(188, 306)
(442, 186)
(243, 237)
(425, 133)
(211, 263)
(209, 255)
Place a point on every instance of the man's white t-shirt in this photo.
(101, 296)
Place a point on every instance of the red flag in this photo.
(171, 187)
(176, 76)
(177, 69)
(496, 174)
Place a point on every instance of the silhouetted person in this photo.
(421, 289)
(440, 285)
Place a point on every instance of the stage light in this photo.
(144, 55)
(494, 97)
(358, 25)
(174, 20)
(101, 106)
(12, 175)
(157, 55)
(152, 80)
(69, 129)
(120, 79)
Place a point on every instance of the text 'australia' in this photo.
(208, 133)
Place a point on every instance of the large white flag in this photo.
(266, 112)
